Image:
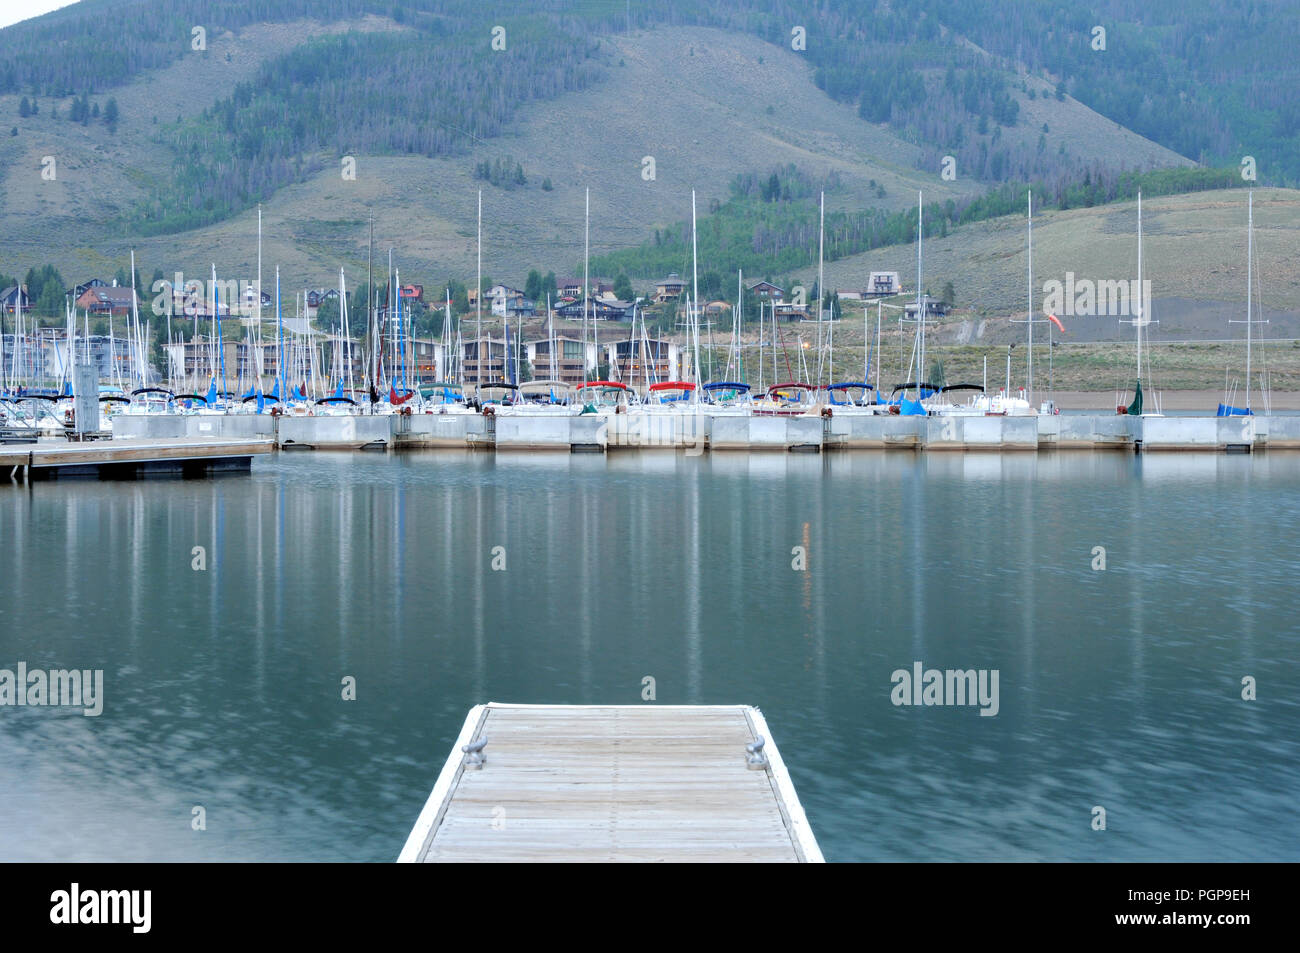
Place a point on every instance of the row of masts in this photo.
(391, 334)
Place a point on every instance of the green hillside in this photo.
(168, 149)
(961, 80)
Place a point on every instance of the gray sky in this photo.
(11, 11)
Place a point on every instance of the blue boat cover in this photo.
(1228, 411)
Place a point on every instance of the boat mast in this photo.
(259, 298)
(821, 287)
(135, 318)
(1250, 255)
(1250, 297)
(370, 305)
(478, 296)
(695, 297)
(550, 334)
(920, 302)
(345, 326)
(879, 305)
(4, 370)
(446, 374)
(279, 322)
(221, 350)
(401, 329)
(388, 321)
(1029, 315)
(737, 317)
(1140, 316)
(586, 282)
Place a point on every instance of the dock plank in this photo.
(610, 784)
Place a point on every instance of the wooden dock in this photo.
(613, 783)
(128, 458)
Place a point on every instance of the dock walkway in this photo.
(129, 457)
(700, 432)
(613, 783)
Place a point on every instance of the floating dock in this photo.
(697, 433)
(127, 458)
(613, 783)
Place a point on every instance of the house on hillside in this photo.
(933, 308)
(510, 302)
(317, 297)
(785, 311)
(107, 299)
(413, 293)
(602, 308)
(251, 299)
(79, 290)
(766, 291)
(572, 287)
(883, 283)
(568, 287)
(716, 309)
(13, 298)
(670, 289)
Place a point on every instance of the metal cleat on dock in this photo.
(474, 756)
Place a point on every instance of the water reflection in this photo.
(1120, 688)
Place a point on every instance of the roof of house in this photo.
(80, 289)
(114, 296)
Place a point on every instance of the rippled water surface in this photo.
(1118, 688)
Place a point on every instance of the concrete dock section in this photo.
(698, 432)
(613, 783)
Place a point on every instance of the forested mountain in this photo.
(1212, 81)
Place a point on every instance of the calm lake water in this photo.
(1118, 688)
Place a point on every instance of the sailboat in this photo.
(1140, 320)
(1227, 409)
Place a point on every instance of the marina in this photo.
(434, 433)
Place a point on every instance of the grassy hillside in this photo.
(1194, 249)
(708, 105)
(936, 77)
